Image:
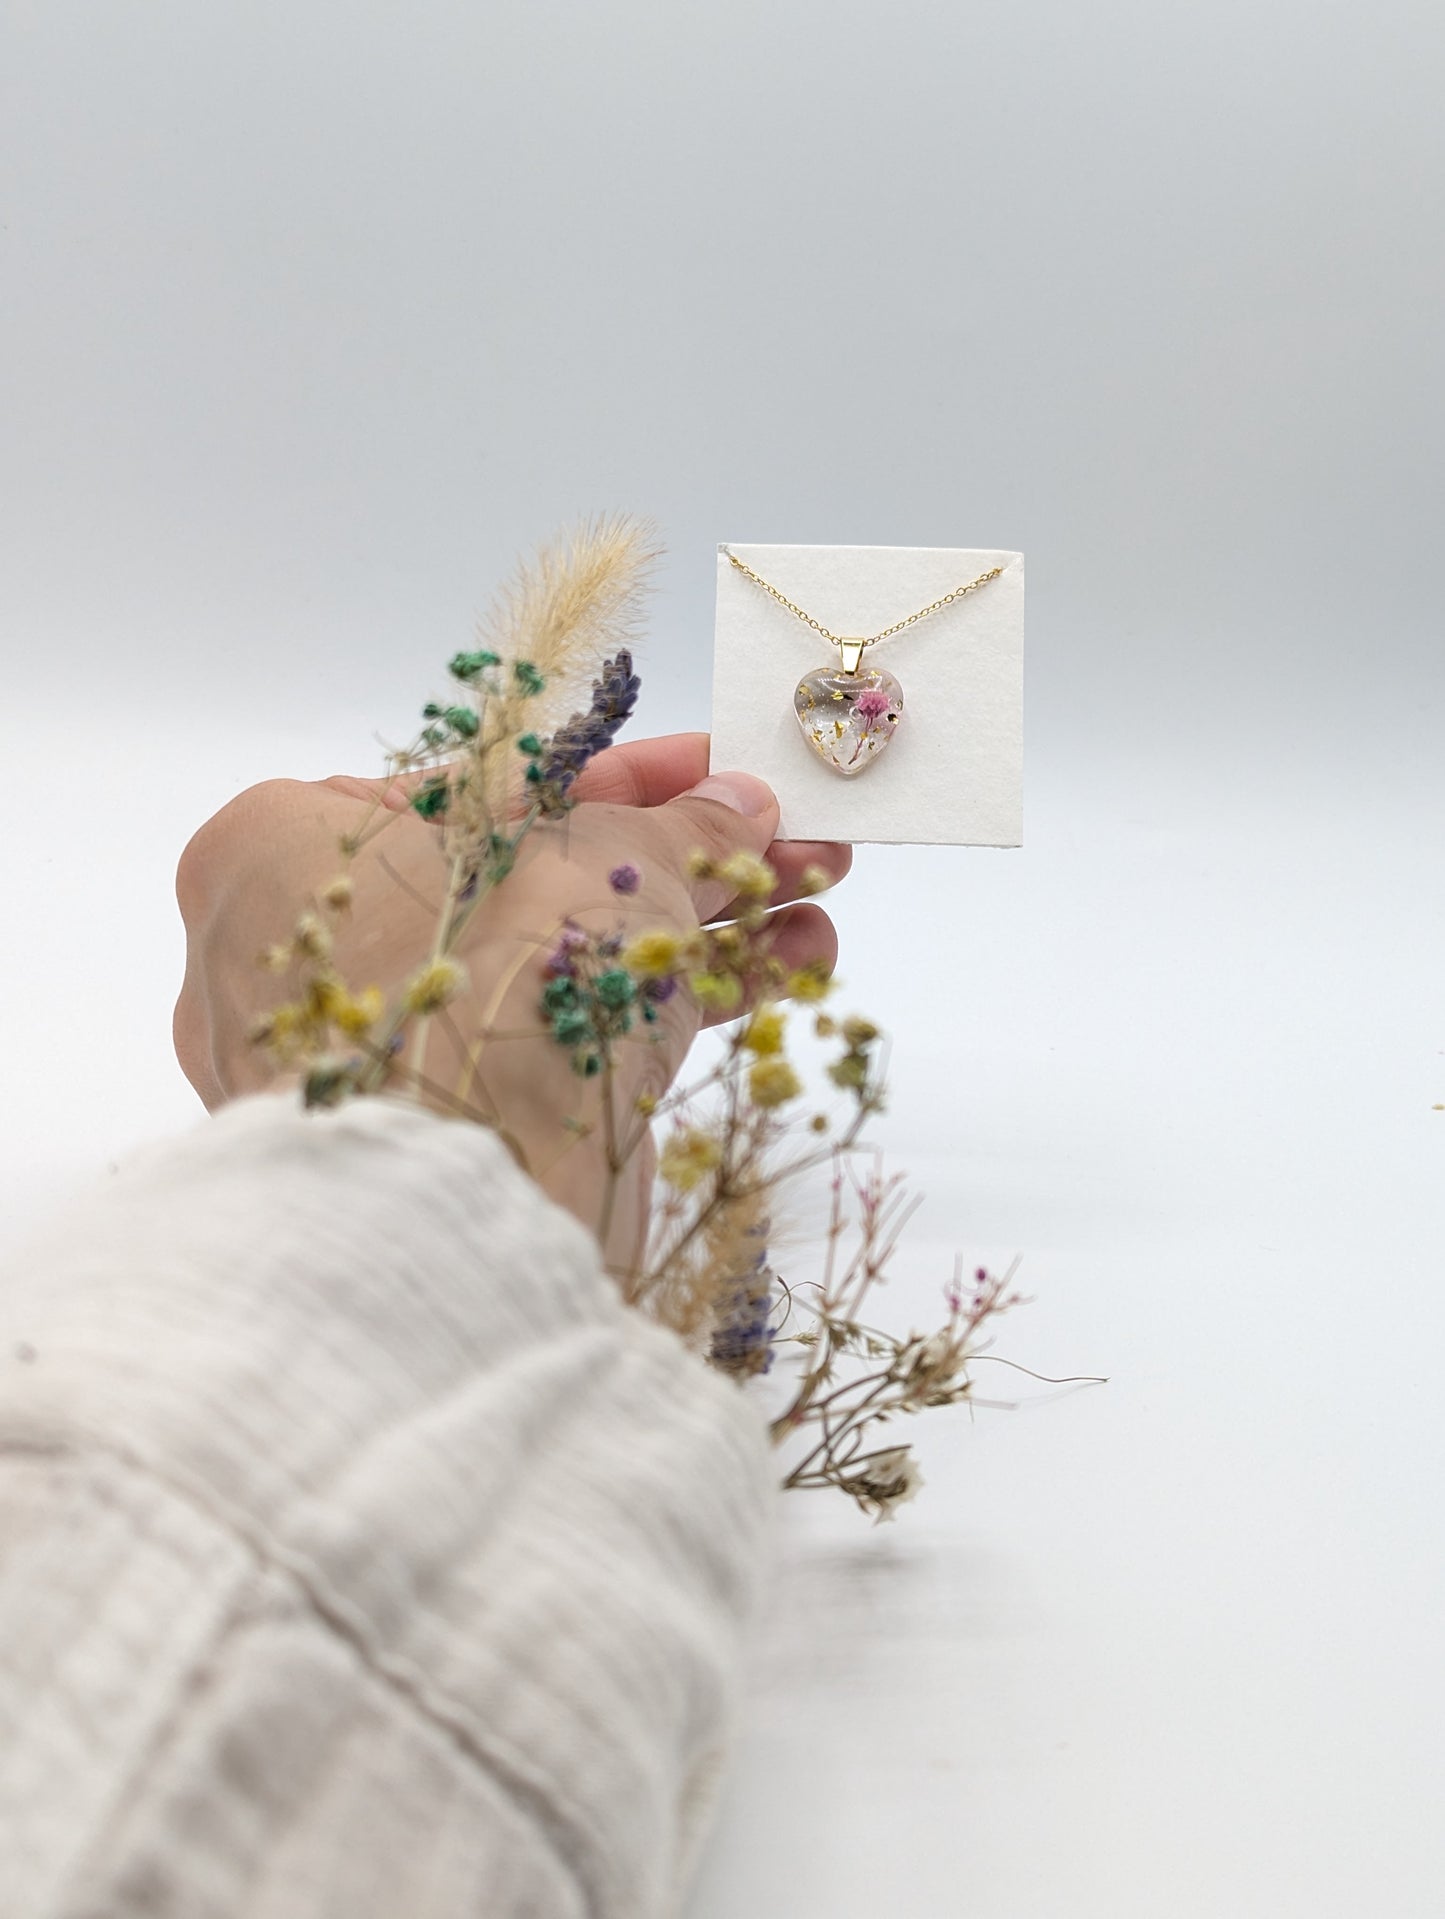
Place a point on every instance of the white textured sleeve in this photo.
(360, 1553)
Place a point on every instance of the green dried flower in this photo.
(572, 1025)
(327, 1083)
(615, 989)
(466, 666)
(527, 676)
(431, 800)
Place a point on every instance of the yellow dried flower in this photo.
(825, 1026)
(718, 990)
(282, 1032)
(772, 1082)
(764, 1033)
(312, 938)
(752, 877)
(653, 955)
(819, 1123)
(645, 1104)
(436, 983)
(850, 1072)
(325, 996)
(813, 879)
(688, 1156)
(275, 959)
(357, 1015)
(810, 983)
(699, 866)
(859, 1032)
(339, 893)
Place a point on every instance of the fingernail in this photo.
(740, 791)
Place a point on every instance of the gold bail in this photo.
(852, 652)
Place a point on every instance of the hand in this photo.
(249, 870)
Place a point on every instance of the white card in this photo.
(951, 773)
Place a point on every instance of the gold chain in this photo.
(835, 639)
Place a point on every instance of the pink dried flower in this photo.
(871, 705)
(561, 961)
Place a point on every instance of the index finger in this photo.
(644, 772)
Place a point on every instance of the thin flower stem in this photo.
(724, 1191)
(609, 1137)
(439, 947)
(829, 1442)
(428, 906)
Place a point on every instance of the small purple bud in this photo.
(625, 878)
(561, 961)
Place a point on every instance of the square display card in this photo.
(945, 768)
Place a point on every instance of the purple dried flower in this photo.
(585, 735)
(660, 991)
(625, 878)
(743, 1340)
(561, 961)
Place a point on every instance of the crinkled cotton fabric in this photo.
(360, 1553)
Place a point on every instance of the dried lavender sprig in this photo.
(580, 739)
(742, 1343)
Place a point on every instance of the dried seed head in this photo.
(688, 1156)
(312, 938)
(431, 988)
(773, 1082)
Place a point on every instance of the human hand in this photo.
(271, 850)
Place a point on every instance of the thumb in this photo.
(724, 814)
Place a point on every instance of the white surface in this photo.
(953, 774)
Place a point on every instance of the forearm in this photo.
(431, 1522)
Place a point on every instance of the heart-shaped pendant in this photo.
(848, 719)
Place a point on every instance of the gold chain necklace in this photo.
(850, 716)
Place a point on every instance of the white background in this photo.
(314, 314)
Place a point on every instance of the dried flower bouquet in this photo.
(493, 763)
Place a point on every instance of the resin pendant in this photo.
(848, 719)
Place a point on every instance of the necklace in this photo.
(849, 716)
